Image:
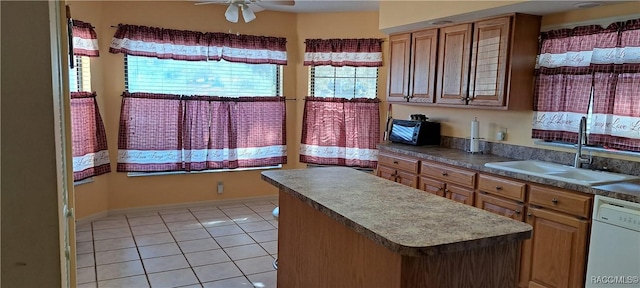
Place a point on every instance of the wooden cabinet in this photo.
(556, 254)
(412, 66)
(485, 64)
(453, 64)
(398, 168)
(489, 62)
(450, 182)
(399, 60)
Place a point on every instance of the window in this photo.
(80, 74)
(343, 82)
(211, 78)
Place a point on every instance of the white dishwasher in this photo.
(614, 249)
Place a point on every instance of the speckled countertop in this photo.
(629, 191)
(403, 219)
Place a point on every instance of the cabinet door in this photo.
(423, 66)
(558, 249)
(500, 206)
(459, 194)
(398, 78)
(407, 178)
(432, 186)
(489, 59)
(386, 173)
(453, 64)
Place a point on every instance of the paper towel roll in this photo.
(475, 136)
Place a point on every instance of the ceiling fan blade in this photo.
(278, 2)
(256, 7)
(212, 2)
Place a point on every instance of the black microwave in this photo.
(415, 132)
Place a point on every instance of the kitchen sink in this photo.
(561, 172)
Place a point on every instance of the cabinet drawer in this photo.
(503, 187)
(432, 186)
(500, 206)
(560, 200)
(449, 174)
(400, 162)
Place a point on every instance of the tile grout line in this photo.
(157, 213)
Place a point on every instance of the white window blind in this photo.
(343, 82)
(80, 74)
(210, 78)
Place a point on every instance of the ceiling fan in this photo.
(247, 7)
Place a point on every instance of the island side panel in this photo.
(317, 251)
(493, 266)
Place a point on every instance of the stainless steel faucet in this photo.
(582, 136)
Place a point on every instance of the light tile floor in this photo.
(226, 246)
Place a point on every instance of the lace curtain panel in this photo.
(341, 132)
(343, 52)
(89, 139)
(162, 132)
(572, 62)
(198, 46)
(85, 39)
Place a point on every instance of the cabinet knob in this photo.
(439, 188)
(395, 162)
(517, 212)
(446, 191)
(554, 200)
(529, 214)
(498, 187)
(463, 99)
(444, 173)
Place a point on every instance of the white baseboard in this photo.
(122, 211)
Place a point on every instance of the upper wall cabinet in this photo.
(485, 64)
(413, 66)
(453, 64)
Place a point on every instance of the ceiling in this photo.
(316, 6)
(537, 7)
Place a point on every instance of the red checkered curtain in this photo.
(150, 133)
(198, 46)
(616, 110)
(563, 82)
(343, 52)
(338, 131)
(89, 140)
(160, 132)
(85, 39)
(243, 132)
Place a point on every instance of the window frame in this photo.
(312, 80)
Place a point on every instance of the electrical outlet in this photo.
(220, 187)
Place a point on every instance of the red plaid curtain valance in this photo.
(162, 132)
(338, 131)
(89, 139)
(343, 52)
(85, 39)
(198, 46)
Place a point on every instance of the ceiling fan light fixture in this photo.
(232, 13)
(584, 5)
(247, 13)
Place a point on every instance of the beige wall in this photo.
(30, 223)
(457, 121)
(116, 190)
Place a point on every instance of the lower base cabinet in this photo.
(556, 254)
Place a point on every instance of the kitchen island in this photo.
(339, 227)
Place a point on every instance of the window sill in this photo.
(144, 174)
(587, 148)
(83, 181)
